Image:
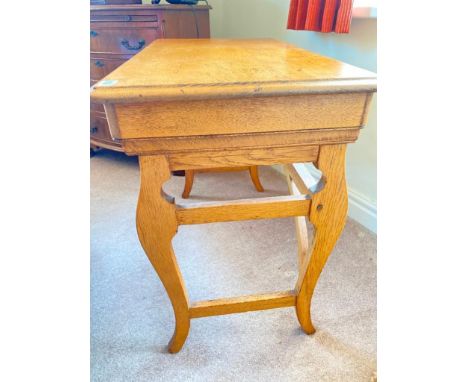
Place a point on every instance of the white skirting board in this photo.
(360, 208)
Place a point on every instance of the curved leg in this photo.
(253, 170)
(156, 226)
(328, 215)
(189, 175)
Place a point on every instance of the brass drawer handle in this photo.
(127, 45)
(93, 130)
(94, 33)
(99, 64)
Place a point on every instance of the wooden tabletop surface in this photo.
(207, 68)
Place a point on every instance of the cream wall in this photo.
(267, 18)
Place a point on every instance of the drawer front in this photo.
(99, 128)
(116, 17)
(123, 38)
(97, 107)
(101, 67)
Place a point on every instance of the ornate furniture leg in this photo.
(253, 170)
(156, 226)
(189, 175)
(328, 213)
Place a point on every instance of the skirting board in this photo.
(360, 208)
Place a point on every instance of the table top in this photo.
(178, 69)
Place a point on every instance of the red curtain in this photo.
(320, 15)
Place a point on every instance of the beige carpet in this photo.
(131, 316)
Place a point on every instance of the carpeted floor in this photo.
(132, 319)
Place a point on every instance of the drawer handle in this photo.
(127, 45)
(94, 33)
(93, 130)
(99, 64)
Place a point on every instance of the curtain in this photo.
(320, 15)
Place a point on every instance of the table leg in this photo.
(328, 215)
(302, 235)
(156, 226)
(189, 175)
(253, 170)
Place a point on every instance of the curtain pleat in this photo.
(320, 15)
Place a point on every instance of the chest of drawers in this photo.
(118, 32)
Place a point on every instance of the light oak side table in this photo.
(252, 102)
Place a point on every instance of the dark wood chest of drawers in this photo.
(120, 31)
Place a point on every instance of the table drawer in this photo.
(101, 67)
(123, 38)
(98, 127)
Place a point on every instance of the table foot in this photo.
(156, 226)
(328, 213)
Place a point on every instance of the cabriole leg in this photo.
(189, 176)
(328, 215)
(253, 170)
(156, 226)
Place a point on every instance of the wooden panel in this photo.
(115, 17)
(102, 66)
(186, 24)
(97, 107)
(243, 209)
(123, 38)
(242, 304)
(243, 115)
(241, 157)
(98, 126)
(207, 142)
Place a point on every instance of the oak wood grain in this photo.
(231, 68)
(302, 235)
(240, 115)
(156, 226)
(328, 215)
(243, 209)
(164, 145)
(240, 157)
(242, 304)
(253, 171)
